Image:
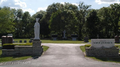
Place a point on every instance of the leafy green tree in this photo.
(44, 28)
(62, 17)
(105, 26)
(81, 15)
(18, 23)
(92, 24)
(6, 21)
(25, 24)
(115, 16)
(63, 20)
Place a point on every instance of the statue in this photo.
(37, 29)
(64, 34)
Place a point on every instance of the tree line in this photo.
(80, 20)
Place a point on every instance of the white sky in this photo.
(36, 5)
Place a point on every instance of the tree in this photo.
(6, 21)
(115, 16)
(92, 24)
(105, 25)
(62, 17)
(18, 23)
(81, 15)
(25, 24)
(44, 28)
(63, 20)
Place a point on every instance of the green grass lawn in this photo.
(51, 41)
(61, 41)
(108, 59)
(4, 59)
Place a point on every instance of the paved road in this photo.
(61, 55)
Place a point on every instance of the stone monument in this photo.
(34, 50)
(102, 48)
(37, 29)
(117, 38)
(37, 48)
(86, 39)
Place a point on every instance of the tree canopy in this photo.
(80, 20)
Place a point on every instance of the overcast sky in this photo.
(36, 5)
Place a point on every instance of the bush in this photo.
(87, 45)
(11, 45)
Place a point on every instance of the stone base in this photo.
(35, 50)
(36, 43)
(102, 52)
(18, 51)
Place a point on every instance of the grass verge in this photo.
(107, 59)
(45, 48)
(12, 58)
(62, 41)
(51, 41)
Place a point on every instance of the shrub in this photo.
(27, 44)
(87, 45)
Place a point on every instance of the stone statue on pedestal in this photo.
(37, 29)
(37, 48)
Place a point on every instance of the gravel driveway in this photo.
(61, 55)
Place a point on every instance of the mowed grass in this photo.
(51, 41)
(12, 58)
(105, 59)
(62, 41)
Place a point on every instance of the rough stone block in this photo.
(35, 50)
(102, 52)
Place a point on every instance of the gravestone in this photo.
(10, 35)
(86, 39)
(74, 37)
(99, 43)
(117, 39)
(7, 39)
(102, 48)
(54, 36)
(4, 40)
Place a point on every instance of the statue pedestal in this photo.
(37, 48)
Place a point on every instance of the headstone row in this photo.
(25, 41)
